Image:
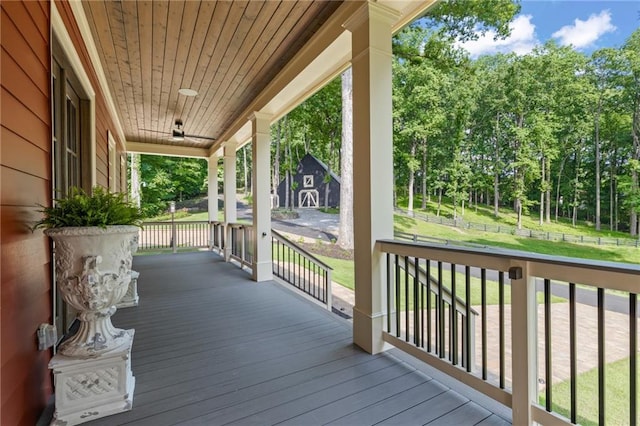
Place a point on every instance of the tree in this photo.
(631, 83)
(167, 179)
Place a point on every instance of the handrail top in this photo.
(168, 222)
(290, 243)
(502, 253)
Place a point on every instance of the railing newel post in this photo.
(523, 342)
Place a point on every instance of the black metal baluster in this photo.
(633, 360)
(601, 358)
(428, 290)
(467, 346)
(422, 312)
(453, 324)
(440, 333)
(483, 291)
(397, 296)
(547, 342)
(416, 308)
(388, 293)
(573, 352)
(501, 324)
(406, 298)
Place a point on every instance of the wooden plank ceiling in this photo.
(227, 51)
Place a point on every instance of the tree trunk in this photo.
(412, 178)
(542, 191)
(496, 194)
(345, 229)
(560, 173)
(635, 130)
(612, 189)
(597, 159)
(275, 181)
(424, 175)
(286, 191)
(548, 194)
(496, 172)
(439, 201)
(578, 160)
(245, 170)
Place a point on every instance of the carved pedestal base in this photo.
(131, 298)
(88, 389)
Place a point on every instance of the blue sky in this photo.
(587, 25)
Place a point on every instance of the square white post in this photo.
(260, 143)
(373, 168)
(212, 190)
(524, 341)
(230, 211)
(212, 194)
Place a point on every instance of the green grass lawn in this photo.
(506, 216)
(616, 395)
(555, 248)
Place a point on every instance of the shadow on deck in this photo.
(213, 347)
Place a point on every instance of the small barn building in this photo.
(310, 191)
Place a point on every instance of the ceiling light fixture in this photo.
(187, 92)
(177, 135)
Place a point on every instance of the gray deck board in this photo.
(493, 420)
(469, 413)
(392, 405)
(212, 347)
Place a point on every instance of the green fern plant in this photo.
(100, 208)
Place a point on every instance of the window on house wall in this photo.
(70, 159)
(71, 163)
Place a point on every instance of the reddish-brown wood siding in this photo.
(25, 170)
(104, 121)
(25, 181)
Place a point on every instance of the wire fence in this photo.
(528, 233)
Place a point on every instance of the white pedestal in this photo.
(131, 298)
(88, 389)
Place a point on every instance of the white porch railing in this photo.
(173, 235)
(588, 314)
(240, 238)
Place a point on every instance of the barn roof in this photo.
(323, 165)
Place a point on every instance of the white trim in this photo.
(307, 181)
(169, 150)
(87, 37)
(60, 31)
(308, 194)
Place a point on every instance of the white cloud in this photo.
(521, 41)
(584, 33)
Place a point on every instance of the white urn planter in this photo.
(93, 271)
(92, 369)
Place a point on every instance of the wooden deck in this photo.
(212, 347)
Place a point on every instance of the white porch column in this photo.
(212, 178)
(230, 211)
(373, 170)
(260, 143)
(212, 194)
